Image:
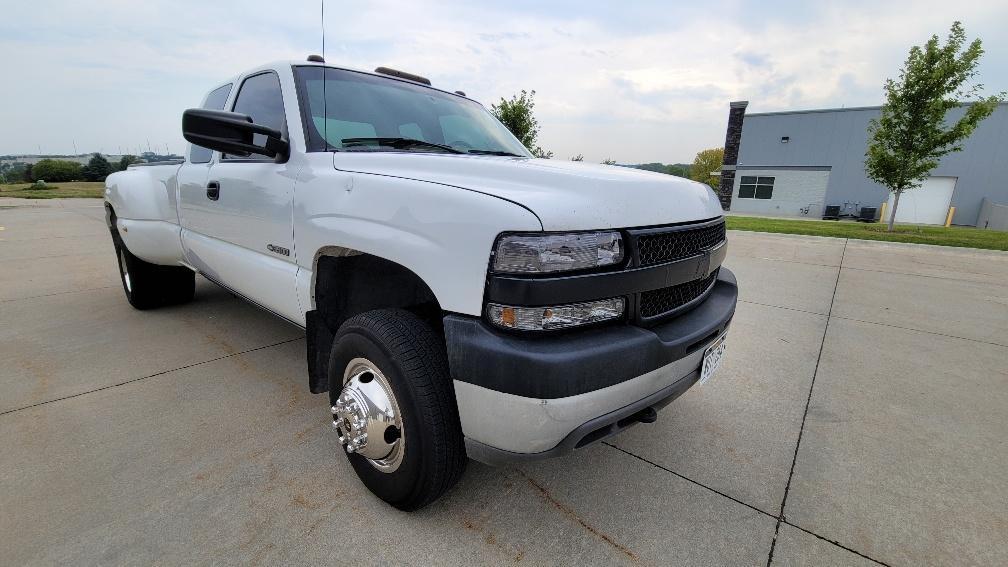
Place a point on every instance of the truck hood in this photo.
(564, 195)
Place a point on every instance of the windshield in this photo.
(351, 111)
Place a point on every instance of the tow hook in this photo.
(647, 415)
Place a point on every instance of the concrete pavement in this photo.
(858, 419)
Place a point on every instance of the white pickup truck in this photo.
(459, 297)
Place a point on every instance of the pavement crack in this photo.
(570, 513)
(747, 505)
(808, 402)
(932, 276)
(919, 330)
(161, 373)
(836, 543)
(688, 479)
(782, 307)
(57, 293)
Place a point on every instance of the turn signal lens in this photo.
(558, 317)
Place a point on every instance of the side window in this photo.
(752, 187)
(260, 98)
(214, 101)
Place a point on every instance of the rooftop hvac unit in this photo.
(867, 214)
(832, 212)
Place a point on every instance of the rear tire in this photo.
(148, 286)
(410, 358)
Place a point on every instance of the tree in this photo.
(13, 172)
(541, 153)
(579, 157)
(56, 171)
(516, 114)
(705, 163)
(608, 161)
(127, 160)
(911, 134)
(97, 168)
(678, 169)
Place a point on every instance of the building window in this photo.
(753, 187)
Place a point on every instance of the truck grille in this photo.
(661, 247)
(664, 300)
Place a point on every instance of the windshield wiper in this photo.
(494, 153)
(398, 143)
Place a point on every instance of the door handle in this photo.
(213, 190)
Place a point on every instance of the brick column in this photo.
(733, 138)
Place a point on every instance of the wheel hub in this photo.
(367, 418)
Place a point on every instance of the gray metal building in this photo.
(793, 164)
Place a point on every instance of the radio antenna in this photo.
(325, 99)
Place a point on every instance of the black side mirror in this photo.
(232, 133)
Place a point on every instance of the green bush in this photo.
(54, 170)
(97, 169)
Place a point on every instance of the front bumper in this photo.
(540, 396)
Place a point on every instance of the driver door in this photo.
(238, 229)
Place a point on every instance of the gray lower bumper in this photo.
(591, 432)
(503, 428)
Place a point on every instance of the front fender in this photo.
(443, 234)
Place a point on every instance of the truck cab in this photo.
(460, 298)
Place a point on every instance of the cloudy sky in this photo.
(631, 81)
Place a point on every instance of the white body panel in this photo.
(144, 201)
(154, 241)
(443, 234)
(267, 281)
(227, 240)
(928, 204)
(564, 195)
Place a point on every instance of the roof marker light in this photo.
(403, 75)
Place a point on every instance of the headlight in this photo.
(559, 317)
(546, 253)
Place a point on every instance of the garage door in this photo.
(928, 204)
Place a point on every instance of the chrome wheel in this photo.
(125, 270)
(367, 418)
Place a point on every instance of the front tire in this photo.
(392, 360)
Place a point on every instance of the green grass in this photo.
(967, 237)
(93, 189)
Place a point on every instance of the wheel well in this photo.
(110, 217)
(350, 283)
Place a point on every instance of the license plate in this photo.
(712, 359)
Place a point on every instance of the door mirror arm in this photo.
(232, 133)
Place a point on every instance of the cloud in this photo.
(753, 59)
(642, 81)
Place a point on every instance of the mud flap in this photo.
(319, 341)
